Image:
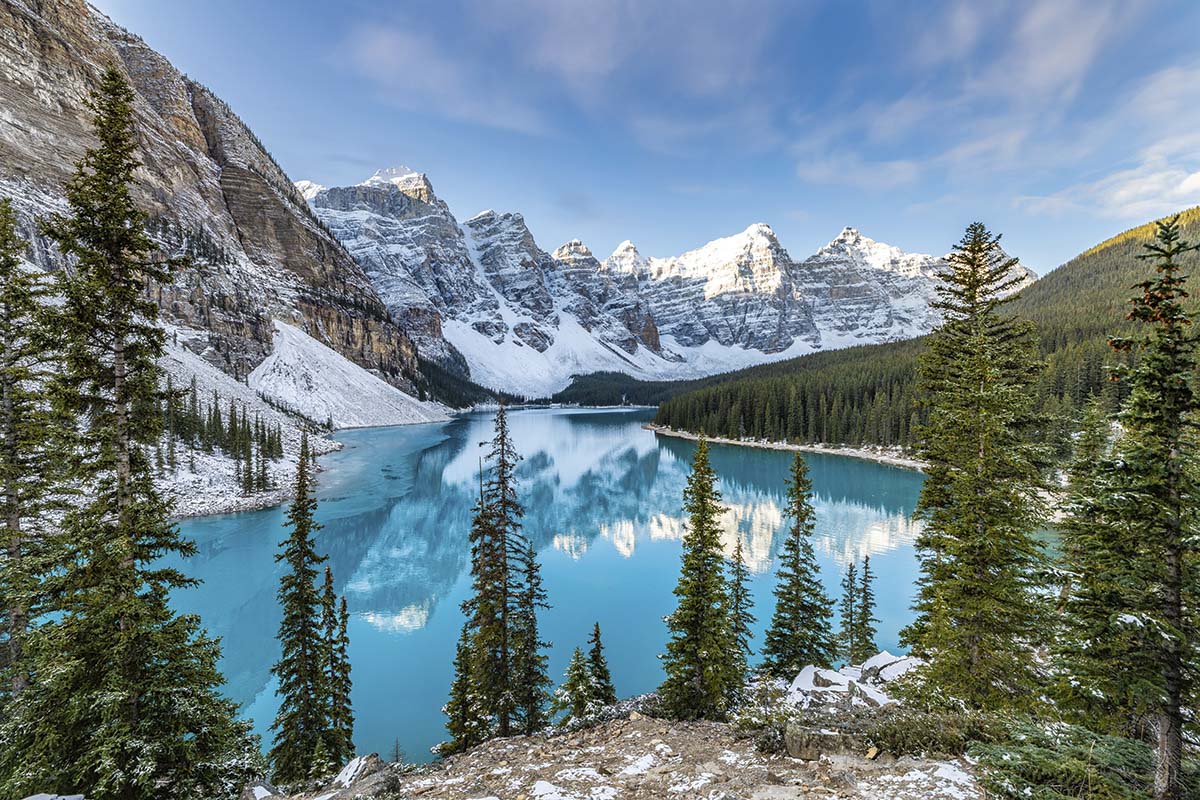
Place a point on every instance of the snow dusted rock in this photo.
(648, 759)
(259, 790)
(304, 375)
(736, 291)
(864, 291)
(854, 685)
(884, 667)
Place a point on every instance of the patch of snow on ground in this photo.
(639, 766)
(322, 384)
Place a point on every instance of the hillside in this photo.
(867, 394)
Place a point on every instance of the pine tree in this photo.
(466, 718)
(126, 699)
(701, 659)
(26, 474)
(978, 613)
(341, 717)
(497, 549)
(740, 617)
(321, 763)
(574, 698)
(530, 681)
(849, 611)
(863, 646)
(397, 752)
(800, 632)
(339, 725)
(602, 683)
(1155, 475)
(302, 720)
(1093, 647)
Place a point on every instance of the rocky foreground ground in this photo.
(638, 757)
(641, 758)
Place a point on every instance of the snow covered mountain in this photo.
(268, 287)
(484, 300)
(209, 186)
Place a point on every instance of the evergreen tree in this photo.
(125, 703)
(849, 611)
(530, 681)
(740, 617)
(701, 659)
(574, 699)
(497, 551)
(1154, 505)
(864, 617)
(25, 454)
(302, 720)
(801, 625)
(1093, 647)
(602, 684)
(466, 718)
(978, 613)
(341, 717)
(339, 739)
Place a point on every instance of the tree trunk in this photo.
(1167, 779)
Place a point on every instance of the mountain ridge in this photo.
(481, 295)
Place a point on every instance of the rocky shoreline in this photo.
(893, 457)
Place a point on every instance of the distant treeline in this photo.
(867, 395)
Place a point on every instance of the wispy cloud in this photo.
(850, 169)
(415, 73)
(1156, 129)
(672, 72)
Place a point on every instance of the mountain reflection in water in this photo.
(603, 507)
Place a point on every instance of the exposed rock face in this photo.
(210, 188)
(486, 301)
(737, 291)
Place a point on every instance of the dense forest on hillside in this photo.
(867, 395)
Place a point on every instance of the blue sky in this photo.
(1056, 122)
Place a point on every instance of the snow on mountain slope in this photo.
(484, 300)
(305, 375)
(208, 185)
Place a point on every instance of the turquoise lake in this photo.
(602, 498)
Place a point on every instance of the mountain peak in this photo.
(573, 250)
(758, 229)
(397, 174)
(308, 189)
(408, 181)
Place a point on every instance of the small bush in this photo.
(902, 731)
(1060, 762)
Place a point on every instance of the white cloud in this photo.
(849, 169)
(412, 72)
(1053, 46)
(1165, 179)
(513, 65)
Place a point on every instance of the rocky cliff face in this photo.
(480, 295)
(210, 187)
(486, 301)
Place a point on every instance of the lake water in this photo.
(603, 500)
